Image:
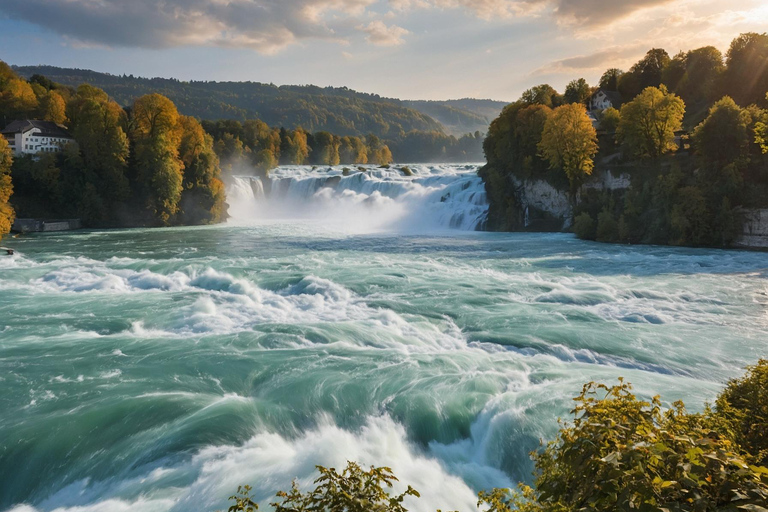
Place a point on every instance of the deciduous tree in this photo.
(649, 122)
(569, 142)
(6, 188)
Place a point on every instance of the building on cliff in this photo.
(32, 137)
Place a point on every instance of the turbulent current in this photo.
(338, 317)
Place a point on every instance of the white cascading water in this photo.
(364, 198)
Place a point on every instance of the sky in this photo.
(409, 49)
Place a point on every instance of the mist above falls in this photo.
(361, 199)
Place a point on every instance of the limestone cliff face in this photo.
(755, 231)
(547, 208)
(542, 206)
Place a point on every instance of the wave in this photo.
(270, 462)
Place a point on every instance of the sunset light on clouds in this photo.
(445, 48)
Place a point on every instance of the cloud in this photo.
(616, 56)
(380, 34)
(600, 12)
(269, 26)
(582, 12)
(264, 25)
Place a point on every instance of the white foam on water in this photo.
(435, 197)
(270, 462)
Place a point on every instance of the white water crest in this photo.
(362, 199)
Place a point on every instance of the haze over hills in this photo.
(335, 109)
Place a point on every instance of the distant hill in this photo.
(336, 109)
(460, 116)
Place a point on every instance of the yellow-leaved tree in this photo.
(157, 132)
(569, 142)
(649, 122)
(6, 188)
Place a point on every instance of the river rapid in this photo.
(338, 317)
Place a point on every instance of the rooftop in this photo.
(47, 128)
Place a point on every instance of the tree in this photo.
(609, 120)
(647, 72)
(156, 132)
(353, 151)
(761, 132)
(543, 94)
(378, 152)
(703, 68)
(98, 125)
(326, 148)
(746, 74)
(17, 100)
(6, 188)
(293, 148)
(610, 79)
(649, 122)
(577, 91)
(202, 199)
(569, 142)
(722, 137)
(52, 107)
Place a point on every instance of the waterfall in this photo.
(364, 198)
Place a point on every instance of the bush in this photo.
(584, 226)
(622, 453)
(744, 407)
(352, 490)
(607, 227)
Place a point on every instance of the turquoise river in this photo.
(338, 316)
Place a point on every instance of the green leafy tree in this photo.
(543, 94)
(6, 188)
(703, 70)
(609, 120)
(577, 91)
(98, 125)
(761, 130)
(746, 74)
(648, 72)
(610, 79)
(722, 138)
(569, 142)
(649, 122)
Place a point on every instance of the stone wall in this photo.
(37, 225)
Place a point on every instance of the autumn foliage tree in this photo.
(649, 122)
(6, 188)
(202, 198)
(569, 142)
(156, 132)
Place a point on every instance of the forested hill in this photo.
(460, 116)
(338, 110)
